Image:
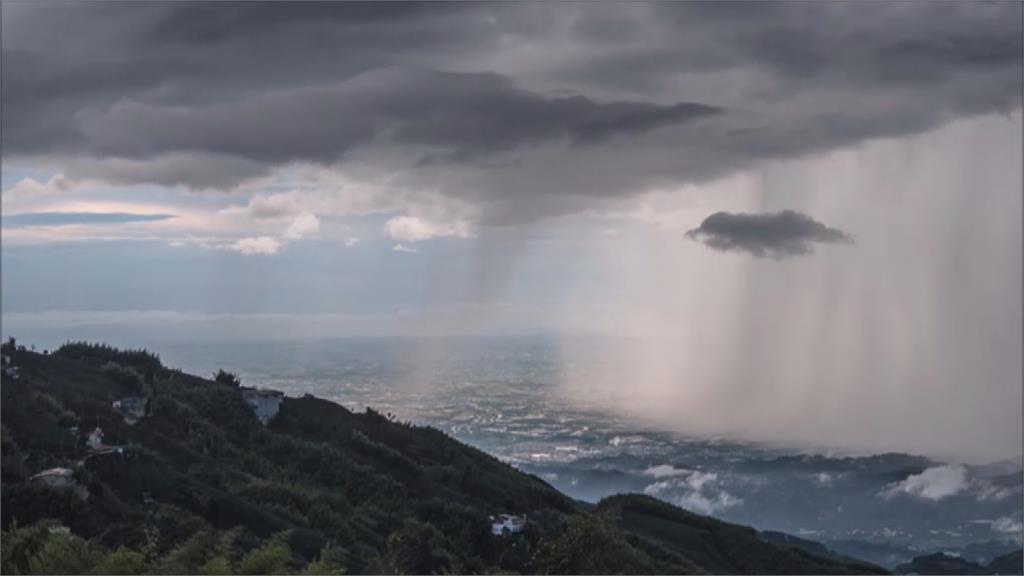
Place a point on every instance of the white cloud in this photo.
(940, 482)
(691, 489)
(254, 232)
(351, 241)
(665, 471)
(262, 245)
(280, 205)
(985, 490)
(404, 248)
(413, 229)
(935, 483)
(31, 187)
(261, 215)
(303, 225)
(698, 502)
(29, 193)
(1008, 525)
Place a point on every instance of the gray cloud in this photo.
(774, 234)
(198, 171)
(466, 114)
(528, 111)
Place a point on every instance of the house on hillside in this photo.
(55, 478)
(95, 439)
(61, 479)
(131, 408)
(264, 403)
(503, 524)
(9, 369)
(121, 452)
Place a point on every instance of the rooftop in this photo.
(54, 472)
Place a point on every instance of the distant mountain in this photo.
(809, 546)
(679, 542)
(939, 563)
(1012, 563)
(186, 479)
(882, 554)
(987, 551)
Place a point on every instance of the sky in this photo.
(798, 221)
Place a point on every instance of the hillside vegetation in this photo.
(200, 486)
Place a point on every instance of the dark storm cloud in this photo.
(63, 59)
(775, 234)
(215, 22)
(468, 114)
(212, 94)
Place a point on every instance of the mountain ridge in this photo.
(199, 485)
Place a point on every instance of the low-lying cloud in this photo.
(935, 483)
(775, 234)
(945, 481)
(32, 219)
(691, 489)
(665, 471)
(257, 245)
(303, 225)
(413, 229)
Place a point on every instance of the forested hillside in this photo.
(199, 485)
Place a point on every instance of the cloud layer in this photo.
(531, 111)
(776, 234)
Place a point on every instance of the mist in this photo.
(908, 339)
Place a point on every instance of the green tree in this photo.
(124, 375)
(64, 554)
(416, 548)
(19, 544)
(332, 560)
(588, 545)
(122, 561)
(189, 556)
(216, 565)
(222, 376)
(273, 557)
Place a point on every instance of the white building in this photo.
(265, 403)
(9, 369)
(132, 408)
(55, 478)
(95, 439)
(507, 524)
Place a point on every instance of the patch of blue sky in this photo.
(29, 219)
(12, 173)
